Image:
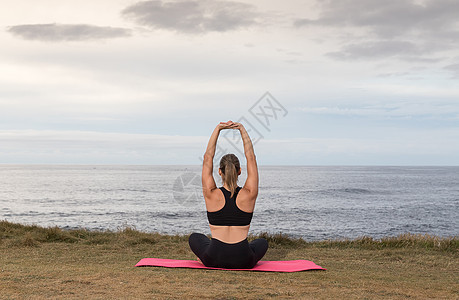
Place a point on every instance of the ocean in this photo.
(312, 202)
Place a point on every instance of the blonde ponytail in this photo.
(229, 165)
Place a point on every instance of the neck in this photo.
(226, 186)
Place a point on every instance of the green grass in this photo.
(38, 262)
(33, 235)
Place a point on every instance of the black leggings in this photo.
(217, 254)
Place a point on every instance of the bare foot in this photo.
(199, 260)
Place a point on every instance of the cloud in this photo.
(69, 146)
(80, 139)
(453, 68)
(394, 147)
(376, 49)
(66, 32)
(192, 16)
(388, 18)
(409, 110)
(90, 147)
(404, 28)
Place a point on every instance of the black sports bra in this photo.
(230, 214)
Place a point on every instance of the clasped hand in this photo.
(229, 125)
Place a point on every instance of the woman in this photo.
(229, 209)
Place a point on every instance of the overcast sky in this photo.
(331, 82)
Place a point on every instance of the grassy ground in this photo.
(51, 263)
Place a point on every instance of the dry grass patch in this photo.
(44, 263)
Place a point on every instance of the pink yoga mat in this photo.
(267, 266)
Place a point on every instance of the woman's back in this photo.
(230, 217)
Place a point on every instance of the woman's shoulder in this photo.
(215, 200)
(246, 195)
(245, 201)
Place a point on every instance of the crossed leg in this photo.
(198, 243)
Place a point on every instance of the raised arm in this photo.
(251, 183)
(208, 182)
